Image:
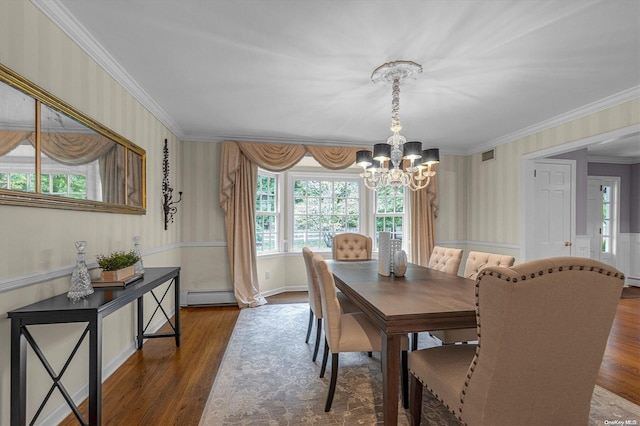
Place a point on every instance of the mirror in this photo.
(54, 156)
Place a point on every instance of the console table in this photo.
(92, 310)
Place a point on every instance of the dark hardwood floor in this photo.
(165, 385)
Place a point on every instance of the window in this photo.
(390, 211)
(323, 207)
(606, 219)
(266, 212)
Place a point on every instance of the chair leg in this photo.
(324, 358)
(370, 354)
(310, 325)
(415, 406)
(332, 384)
(405, 380)
(318, 332)
(414, 342)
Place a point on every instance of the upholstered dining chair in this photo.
(442, 259)
(351, 246)
(348, 332)
(315, 306)
(476, 262)
(543, 328)
(445, 259)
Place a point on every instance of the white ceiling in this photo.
(299, 71)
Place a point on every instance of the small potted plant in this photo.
(118, 265)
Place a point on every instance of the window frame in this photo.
(278, 213)
(406, 217)
(364, 222)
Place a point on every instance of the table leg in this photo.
(176, 321)
(95, 371)
(140, 336)
(390, 377)
(18, 375)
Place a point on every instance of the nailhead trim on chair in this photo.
(474, 363)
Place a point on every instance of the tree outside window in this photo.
(323, 207)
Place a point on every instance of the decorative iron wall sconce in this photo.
(169, 206)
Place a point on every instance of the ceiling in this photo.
(300, 71)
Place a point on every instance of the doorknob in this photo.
(568, 243)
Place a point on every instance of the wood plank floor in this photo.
(165, 385)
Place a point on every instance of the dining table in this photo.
(424, 299)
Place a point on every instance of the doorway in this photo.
(603, 218)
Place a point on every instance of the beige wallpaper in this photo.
(36, 241)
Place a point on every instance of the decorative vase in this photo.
(138, 267)
(400, 263)
(80, 278)
(384, 253)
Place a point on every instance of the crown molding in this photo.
(61, 16)
(612, 160)
(602, 104)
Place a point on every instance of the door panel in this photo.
(553, 216)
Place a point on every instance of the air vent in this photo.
(488, 155)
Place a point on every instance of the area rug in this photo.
(267, 378)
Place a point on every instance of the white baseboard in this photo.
(63, 410)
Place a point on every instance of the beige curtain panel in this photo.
(239, 164)
(424, 210)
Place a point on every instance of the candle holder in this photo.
(169, 205)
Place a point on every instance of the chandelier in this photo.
(397, 163)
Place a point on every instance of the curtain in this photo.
(112, 175)
(424, 210)
(239, 164)
(10, 139)
(72, 148)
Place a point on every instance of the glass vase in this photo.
(138, 267)
(80, 278)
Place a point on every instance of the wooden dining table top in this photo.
(423, 299)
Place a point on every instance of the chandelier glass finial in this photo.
(397, 162)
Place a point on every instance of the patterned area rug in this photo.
(267, 378)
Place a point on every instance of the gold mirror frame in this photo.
(38, 199)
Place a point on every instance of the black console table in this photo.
(92, 310)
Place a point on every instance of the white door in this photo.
(553, 210)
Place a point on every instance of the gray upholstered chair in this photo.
(476, 262)
(315, 306)
(350, 332)
(351, 246)
(543, 328)
(442, 259)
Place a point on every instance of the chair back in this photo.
(330, 303)
(543, 327)
(477, 261)
(312, 282)
(445, 259)
(351, 246)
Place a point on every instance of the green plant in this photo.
(117, 260)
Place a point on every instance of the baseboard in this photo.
(210, 297)
(63, 410)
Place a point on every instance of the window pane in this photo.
(326, 207)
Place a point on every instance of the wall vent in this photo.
(488, 155)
